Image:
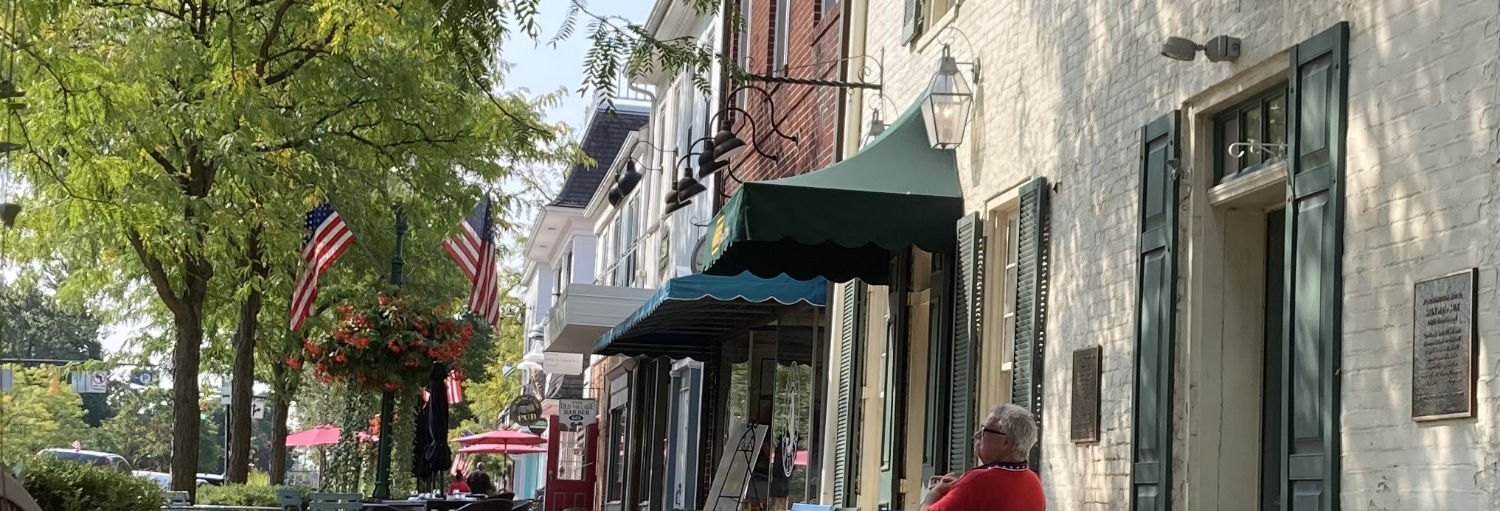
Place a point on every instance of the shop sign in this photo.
(526, 411)
(576, 412)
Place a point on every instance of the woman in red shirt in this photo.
(459, 485)
(1003, 482)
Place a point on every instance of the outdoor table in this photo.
(215, 507)
(423, 504)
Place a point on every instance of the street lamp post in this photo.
(388, 398)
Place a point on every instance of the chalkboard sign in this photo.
(1085, 403)
(1443, 365)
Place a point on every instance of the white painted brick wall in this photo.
(1068, 85)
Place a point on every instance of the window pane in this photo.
(1276, 117)
(1250, 131)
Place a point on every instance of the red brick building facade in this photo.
(810, 36)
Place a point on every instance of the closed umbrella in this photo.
(438, 457)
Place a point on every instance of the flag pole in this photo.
(388, 398)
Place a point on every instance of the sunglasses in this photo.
(988, 430)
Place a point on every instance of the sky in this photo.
(537, 68)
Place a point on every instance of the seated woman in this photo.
(459, 484)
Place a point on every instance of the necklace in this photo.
(1007, 465)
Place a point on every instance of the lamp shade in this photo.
(628, 179)
(946, 108)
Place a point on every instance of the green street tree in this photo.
(37, 327)
(41, 412)
(173, 146)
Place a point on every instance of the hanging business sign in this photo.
(576, 413)
(527, 411)
(258, 409)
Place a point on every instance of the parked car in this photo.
(102, 459)
(162, 478)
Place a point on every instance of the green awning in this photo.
(845, 220)
(688, 315)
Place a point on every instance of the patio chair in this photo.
(335, 502)
(14, 497)
(177, 499)
(289, 499)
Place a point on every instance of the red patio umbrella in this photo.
(507, 449)
(502, 436)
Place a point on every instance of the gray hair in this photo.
(1017, 423)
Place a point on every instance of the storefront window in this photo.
(615, 485)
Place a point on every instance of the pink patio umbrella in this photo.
(321, 435)
(506, 449)
(324, 435)
(502, 437)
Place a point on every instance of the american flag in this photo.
(454, 387)
(474, 251)
(327, 238)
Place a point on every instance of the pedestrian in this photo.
(459, 484)
(1003, 481)
(479, 482)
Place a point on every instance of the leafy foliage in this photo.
(70, 486)
(37, 327)
(141, 431)
(41, 412)
(245, 495)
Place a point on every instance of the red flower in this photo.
(340, 358)
(383, 300)
(395, 348)
(294, 363)
(390, 385)
(412, 362)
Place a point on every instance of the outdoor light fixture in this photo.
(716, 153)
(624, 184)
(873, 131)
(628, 179)
(945, 110)
(1219, 49)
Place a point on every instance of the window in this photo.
(571, 460)
(1261, 119)
(781, 32)
(615, 484)
(921, 15)
(624, 251)
(997, 350)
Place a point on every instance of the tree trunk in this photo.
(281, 402)
(185, 420)
(242, 382)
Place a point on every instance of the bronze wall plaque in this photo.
(1086, 368)
(1443, 365)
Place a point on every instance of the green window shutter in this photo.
(911, 21)
(935, 447)
(846, 426)
(893, 385)
(1156, 298)
(968, 307)
(1310, 431)
(1031, 304)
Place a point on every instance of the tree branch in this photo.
(177, 15)
(307, 56)
(157, 274)
(272, 33)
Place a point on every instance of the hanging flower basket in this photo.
(391, 345)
